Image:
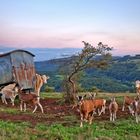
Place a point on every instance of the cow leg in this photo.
(41, 107)
(21, 105)
(98, 110)
(123, 107)
(81, 124)
(35, 109)
(136, 115)
(131, 110)
(91, 118)
(12, 101)
(102, 110)
(24, 107)
(86, 117)
(111, 115)
(4, 99)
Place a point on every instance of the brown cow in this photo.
(128, 101)
(86, 109)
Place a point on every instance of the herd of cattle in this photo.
(87, 107)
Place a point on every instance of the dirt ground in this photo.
(54, 112)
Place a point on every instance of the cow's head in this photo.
(45, 78)
(137, 84)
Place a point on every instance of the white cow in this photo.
(137, 85)
(9, 92)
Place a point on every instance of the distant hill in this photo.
(118, 77)
(42, 54)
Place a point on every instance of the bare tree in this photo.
(90, 56)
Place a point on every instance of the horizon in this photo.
(45, 54)
(64, 24)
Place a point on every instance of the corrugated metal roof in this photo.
(1, 55)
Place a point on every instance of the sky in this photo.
(66, 23)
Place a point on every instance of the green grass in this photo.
(69, 129)
(51, 95)
(9, 110)
(120, 130)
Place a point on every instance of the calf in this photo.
(9, 92)
(128, 101)
(86, 108)
(30, 98)
(113, 108)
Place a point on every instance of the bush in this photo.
(49, 89)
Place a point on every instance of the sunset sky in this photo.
(65, 23)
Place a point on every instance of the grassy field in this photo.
(68, 129)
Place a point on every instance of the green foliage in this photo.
(118, 77)
(49, 89)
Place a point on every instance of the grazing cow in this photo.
(31, 98)
(9, 92)
(137, 85)
(113, 108)
(39, 81)
(86, 108)
(128, 101)
(100, 104)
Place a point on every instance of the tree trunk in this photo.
(73, 94)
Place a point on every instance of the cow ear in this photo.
(77, 97)
(84, 96)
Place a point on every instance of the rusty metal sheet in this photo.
(23, 69)
(17, 66)
(5, 70)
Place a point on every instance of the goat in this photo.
(9, 92)
(128, 101)
(30, 98)
(86, 108)
(113, 108)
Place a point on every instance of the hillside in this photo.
(118, 77)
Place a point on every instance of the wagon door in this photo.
(23, 69)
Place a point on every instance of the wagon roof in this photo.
(1, 55)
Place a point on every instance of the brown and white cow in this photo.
(31, 98)
(86, 108)
(100, 104)
(38, 82)
(128, 101)
(137, 108)
(113, 108)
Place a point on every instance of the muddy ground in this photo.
(54, 112)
